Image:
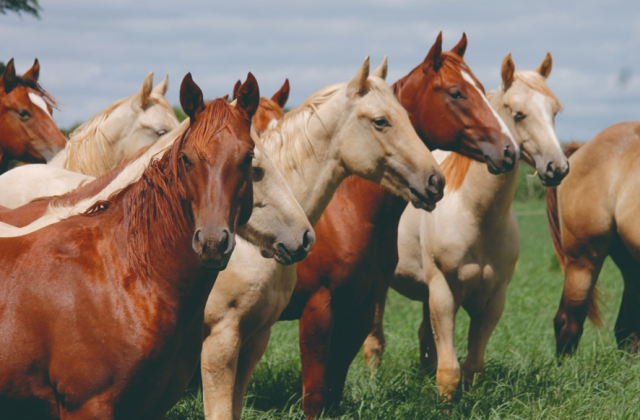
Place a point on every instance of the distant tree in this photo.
(19, 6)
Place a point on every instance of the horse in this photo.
(589, 222)
(356, 128)
(353, 260)
(96, 147)
(108, 322)
(270, 111)
(464, 253)
(27, 130)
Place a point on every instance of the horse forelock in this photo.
(538, 83)
(34, 85)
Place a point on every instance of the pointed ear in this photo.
(142, 97)
(249, 96)
(162, 87)
(508, 70)
(545, 67)
(9, 78)
(34, 72)
(461, 47)
(434, 58)
(358, 85)
(236, 87)
(281, 96)
(226, 97)
(381, 71)
(191, 98)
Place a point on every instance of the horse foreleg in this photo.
(250, 354)
(443, 308)
(428, 353)
(316, 324)
(219, 364)
(483, 322)
(375, 342)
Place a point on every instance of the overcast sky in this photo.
(95, 52)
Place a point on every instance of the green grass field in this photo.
(522, 378)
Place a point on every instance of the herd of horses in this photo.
(141, 246)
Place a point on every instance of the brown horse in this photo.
(102, 313)
(27, 130)
(592, 214)
(270, 110)
(355, 253)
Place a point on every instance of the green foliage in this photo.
(31, 7)
(180, 115)
(522, 380)
(528, 187)
(67, 131)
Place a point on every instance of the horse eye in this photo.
(380, 123)
(162, 132)
(519, 116)
(258, 174)
(185, 160)
(24, 114)
(248, 159)
(456, 95)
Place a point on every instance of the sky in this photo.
(93, 53)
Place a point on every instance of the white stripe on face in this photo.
(503, 126)
(539, 99)
(39, 102)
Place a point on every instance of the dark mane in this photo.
(156, 210)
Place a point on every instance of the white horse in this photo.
(465, 252)
(351, 128)
(108, 138)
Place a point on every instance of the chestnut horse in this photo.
(108, 323)
(110, 137)
(592, 214)
(355, 255)
(357, 128)
(270, 110)
(464, 253)
(27, 130)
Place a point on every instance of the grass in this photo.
(523, 379)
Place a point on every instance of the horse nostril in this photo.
(307, 240)
(550, 167)
(224, 243)
(197, 235)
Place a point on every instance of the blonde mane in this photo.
(88, 146)
(536, 82)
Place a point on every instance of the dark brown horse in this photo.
(592, 214)
(102, 313)
(270, 110)
(27, 130)
(355, 253)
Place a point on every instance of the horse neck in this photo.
(314, 175)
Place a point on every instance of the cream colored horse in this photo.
(351, 128)
(108, 138)
(464, 253)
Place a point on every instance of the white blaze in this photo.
(39, 102)
(538, 100)
(503, 126)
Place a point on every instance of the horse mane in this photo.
(156, 210)
(30, 83)
(536, 82)
(87, 146)
(455, 168)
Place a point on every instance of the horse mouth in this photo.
(283, 256)
(421, 201)
(492, 167)
(214, 264)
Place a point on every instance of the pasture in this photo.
(522, 377)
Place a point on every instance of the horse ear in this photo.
(162, 87)
(358, 85)
(249, 96)
(34, 72)
(142, 97)
(381, 71)
(281, 96)
(9, 78)
(191, 98)
(508, 70)
(434, 58)
(461, 47)
(545, 67)
(236, 87)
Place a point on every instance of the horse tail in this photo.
(554, 223)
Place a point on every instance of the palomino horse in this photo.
(595, 215)
(352, 263)
(108, 323)
(270, 110)
(464, 253)
(96, 147)
(27, 130)
(356, 127)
